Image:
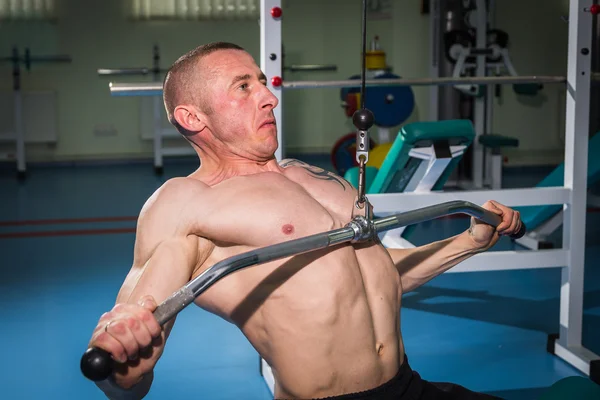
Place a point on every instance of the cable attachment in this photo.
(361, 198)
(363, 120)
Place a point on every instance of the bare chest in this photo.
(270, 208)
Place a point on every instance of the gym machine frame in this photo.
(18, 136)
(572, 195)
(483, 169)
(571, 257)
(158, 132)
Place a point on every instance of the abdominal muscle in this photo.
(327, 323)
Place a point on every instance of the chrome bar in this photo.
(155, 89)
(311, 67)
(484, 80)
(124, 71)
(136, 89)
(436, 211)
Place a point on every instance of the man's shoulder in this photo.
(182, 186)
(173, 195)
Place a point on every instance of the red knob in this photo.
(276, 81)
(595, 9)
(276, 12)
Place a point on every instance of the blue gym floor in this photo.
(63, 264)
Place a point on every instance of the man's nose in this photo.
(268, 99)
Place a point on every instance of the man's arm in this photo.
(419, 265)
(165, 259)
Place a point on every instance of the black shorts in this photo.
(408, 385)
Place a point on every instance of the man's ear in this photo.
(189, 118)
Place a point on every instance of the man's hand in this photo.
(485, 236)
(129, 332)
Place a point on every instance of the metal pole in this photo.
(158, 135)
(434, 66)
(123, 71)
(595, 92)
(451, 18)
(19, 132)
(575, 178)
(271, 59)
(155, 89)
(311, 67)
(478, 166)
(18, 113)
(426, 81)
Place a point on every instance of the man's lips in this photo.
(267, 123)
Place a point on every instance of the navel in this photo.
(287, 229)
(379, 349)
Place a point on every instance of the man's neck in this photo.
(213, 171)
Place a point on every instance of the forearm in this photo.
(136, 392)
(169, 267)
(419, 265)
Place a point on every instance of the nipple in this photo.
(287, 229)
(379, 349)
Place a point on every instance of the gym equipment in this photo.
(159, 133)
(462, 51)
(494, 144)
(149, 89)
(421, 159)
(542, 221)
(440, 143)
(343, 153)
(473, 48)
(391, 105)
(572, 195)
(19, 135)
(97, 364)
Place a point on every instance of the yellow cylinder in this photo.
(375, 60)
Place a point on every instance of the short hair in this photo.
(178, 85)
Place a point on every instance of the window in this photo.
(194, 9)
(26, 10)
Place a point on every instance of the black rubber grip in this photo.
(521, 232)
(97, 364)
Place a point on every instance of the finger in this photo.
(148, 303)
(119, 330)
(513, 224)
(108, 343)
(507, 219)
(494, 207)
(516, 224)
(140, 332)
(105, 318)
(147, 317)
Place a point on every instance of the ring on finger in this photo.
(107, 325)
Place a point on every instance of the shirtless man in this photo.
(327, 322)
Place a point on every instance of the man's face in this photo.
(240, 106)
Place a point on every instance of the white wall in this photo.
(99, 34)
